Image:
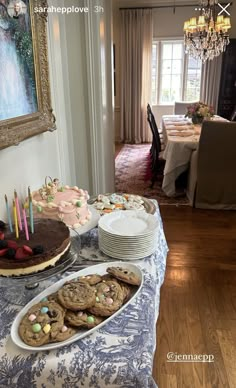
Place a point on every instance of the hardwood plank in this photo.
(198, 298)
(229, 354)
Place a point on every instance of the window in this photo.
(175, 75)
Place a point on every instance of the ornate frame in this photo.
(17, 129)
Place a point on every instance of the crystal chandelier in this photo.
(207, 36)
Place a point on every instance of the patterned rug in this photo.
(133, 175)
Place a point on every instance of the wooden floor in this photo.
(198, 299)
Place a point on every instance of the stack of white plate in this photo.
(128, 234)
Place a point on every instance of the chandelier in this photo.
(207, 36)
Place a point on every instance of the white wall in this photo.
(70, 152)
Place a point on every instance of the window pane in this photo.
(167, 51)
(193, 79)
(177, 51)
(176, 66)
(166, 67)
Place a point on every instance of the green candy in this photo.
(39, 209)
(97, 299)
(78, 203)
(90, 319)
(36, 328)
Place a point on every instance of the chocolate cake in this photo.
(47, 245)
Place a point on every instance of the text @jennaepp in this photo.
(176, 357)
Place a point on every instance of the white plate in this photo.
(130, 257)
(128, 223)
(96, 269)
(92, 223)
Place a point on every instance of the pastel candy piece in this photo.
(109, 300)
(106, 289)
(44, 310)
(46, 328)
(90, 319)
(109, 206)
(99, 205)
(64, 329)
(79, 203)
(97, 299)
(32, 317)
(39, 209)
(44, 299)
(36, 328)
(80, 314)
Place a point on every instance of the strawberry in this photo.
(1, 235)
(27, 250)
(3, 251)
(12, 244)
(20, 254)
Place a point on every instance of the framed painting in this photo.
(25, 101)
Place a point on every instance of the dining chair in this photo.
(211, 181)
(157, 161)
(233, 116)
(180, 107)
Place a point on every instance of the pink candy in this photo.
(32, 317)
(80, 314)
(106, 289)
(64, 328)
(109, 300)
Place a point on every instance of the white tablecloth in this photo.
(181, 137)
(120, 354)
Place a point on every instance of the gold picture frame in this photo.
(16, 129)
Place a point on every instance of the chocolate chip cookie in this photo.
(125, 275)
(109, 298)
(65, 333)
(77, 296)
(90, 279)
(42, 321)
(82, 319)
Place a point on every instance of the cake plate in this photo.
(21, 289)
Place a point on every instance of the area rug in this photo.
(132, 175)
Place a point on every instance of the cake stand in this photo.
(21, 289)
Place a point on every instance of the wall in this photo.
(70, 152)
(166, 23)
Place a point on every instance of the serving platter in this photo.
(149, 206)
(99, 269)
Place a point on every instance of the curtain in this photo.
(210, 82)
(136, 60)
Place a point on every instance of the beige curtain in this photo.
(136, 56)
(210, 82)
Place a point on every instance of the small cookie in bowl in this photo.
(125, 275)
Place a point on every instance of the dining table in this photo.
(118, 354)
(181, 138)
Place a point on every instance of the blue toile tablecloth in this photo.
(120, 354)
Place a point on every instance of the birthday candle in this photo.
(15, 219)
(18, 210)
(25, 223)
(8, 215)
(31, 211)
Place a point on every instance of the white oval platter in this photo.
(99, 269)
